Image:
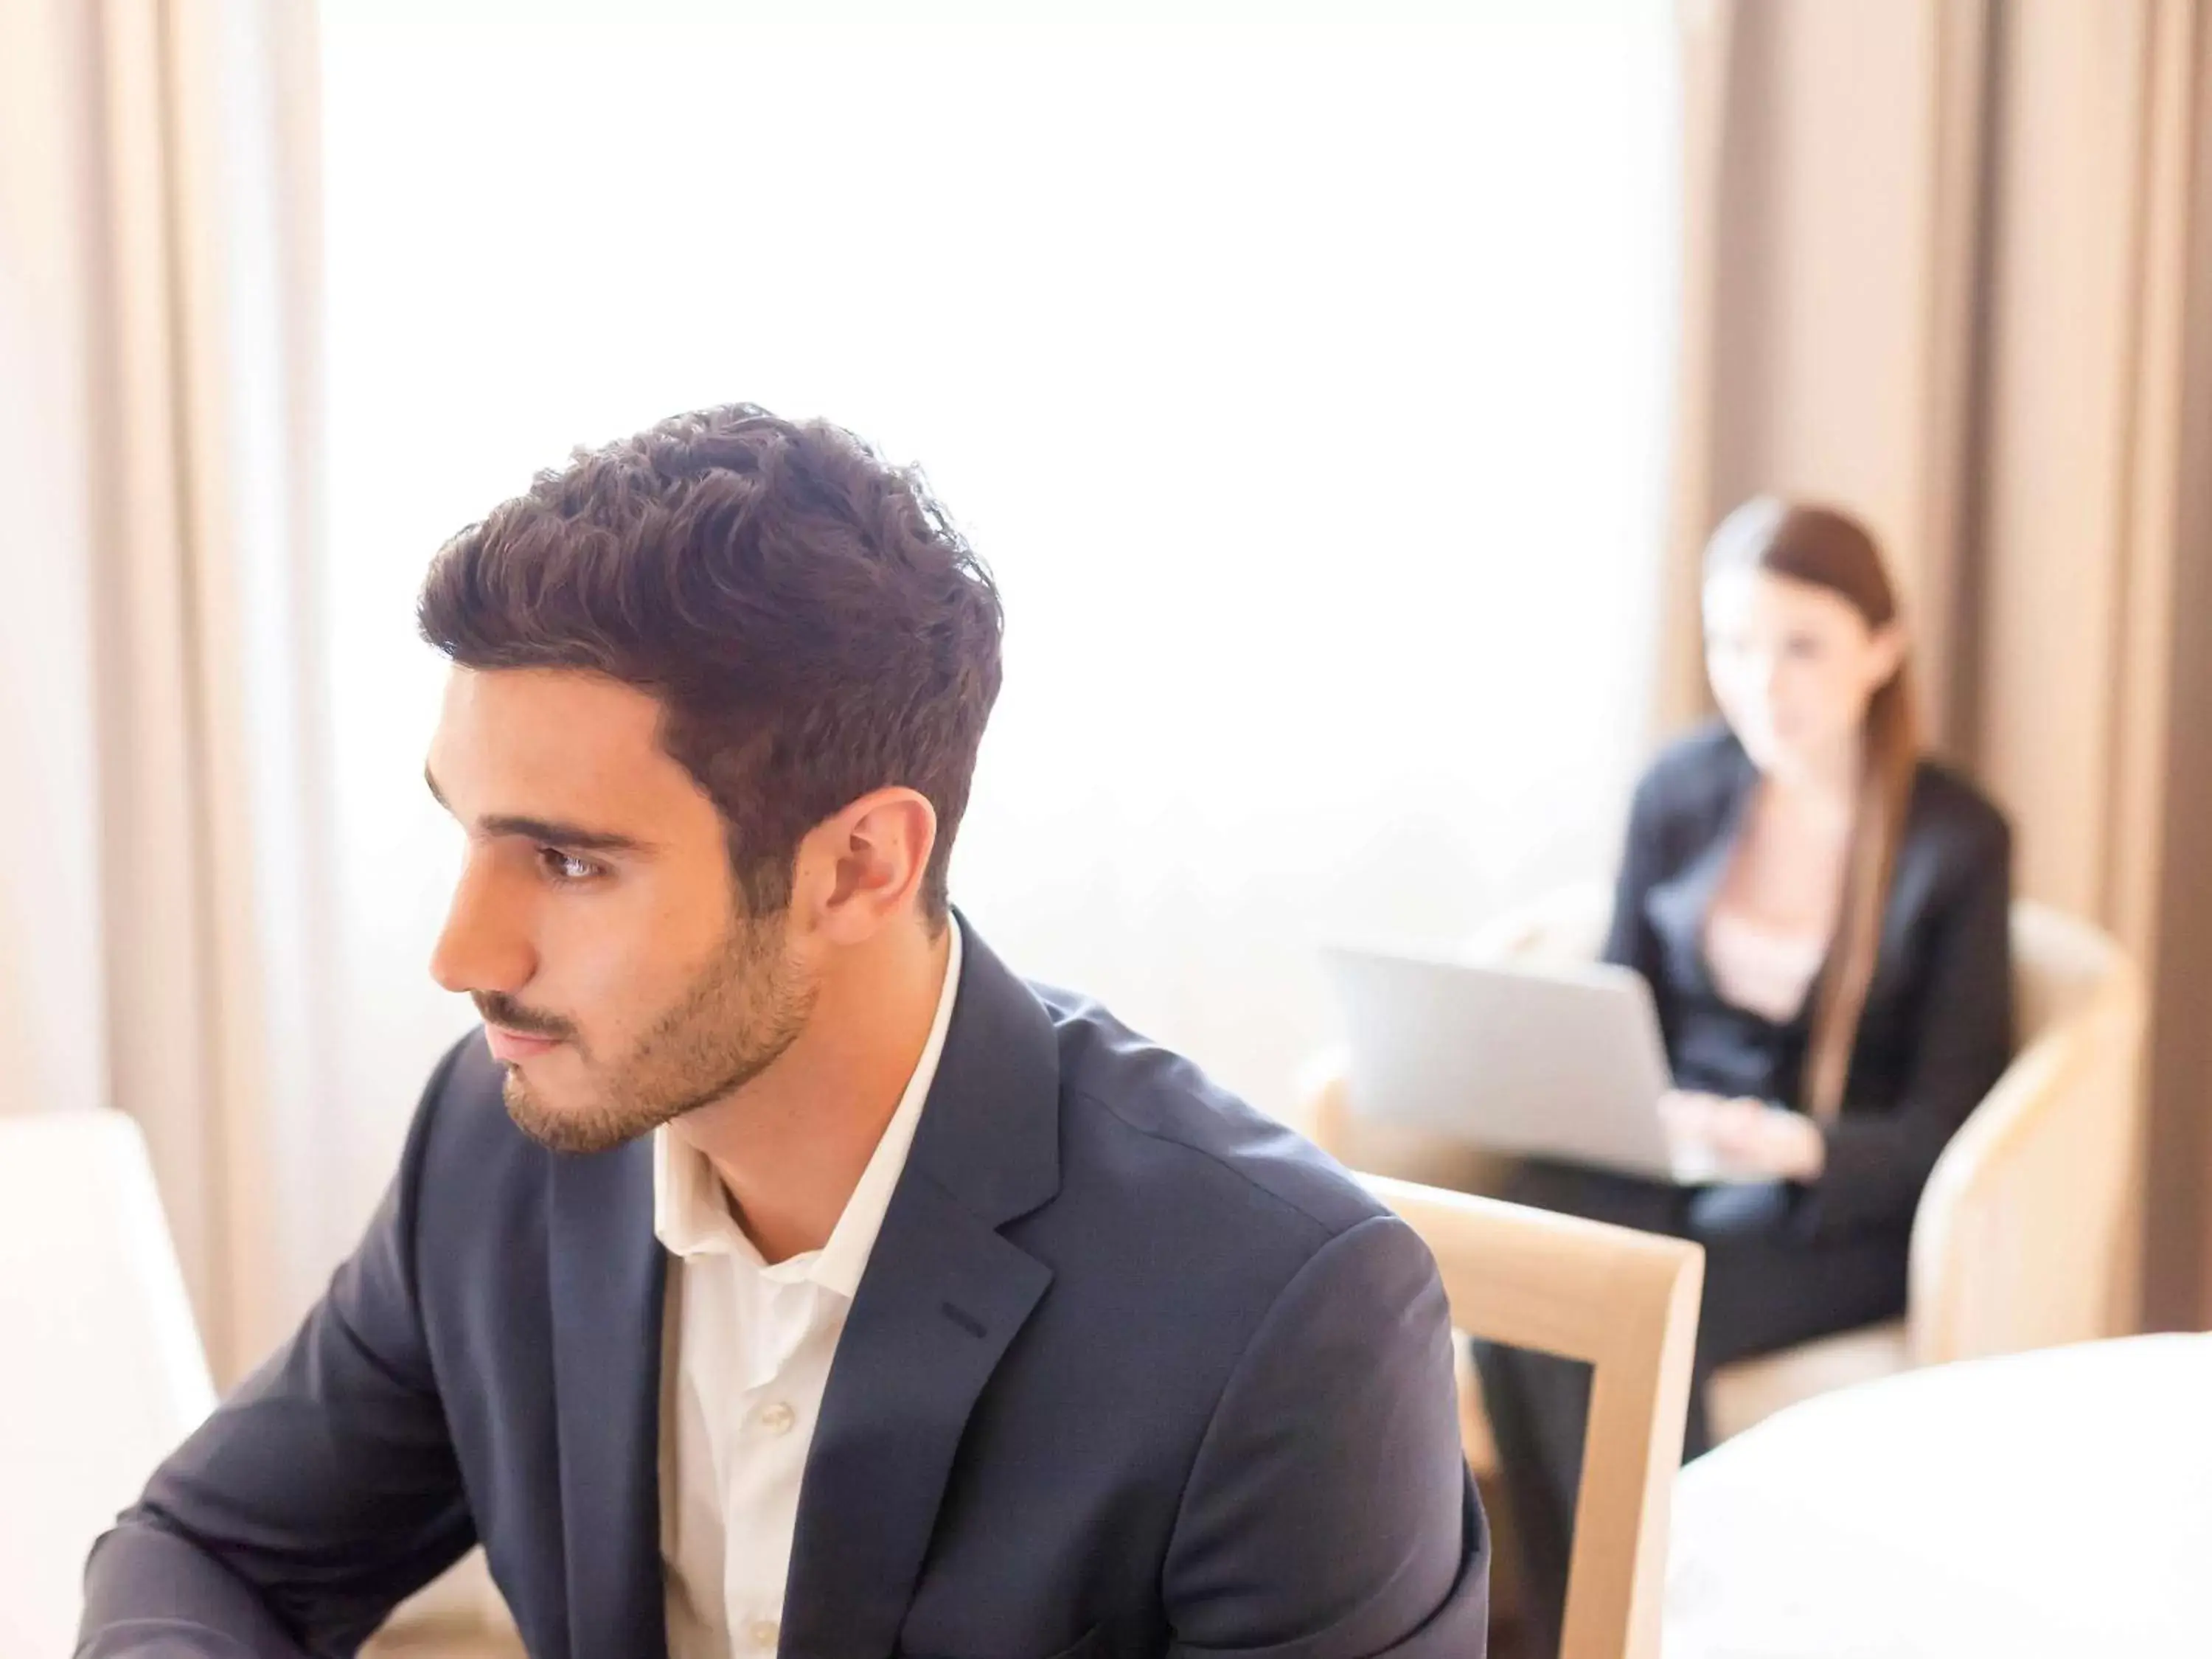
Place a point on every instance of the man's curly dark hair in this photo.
(813, 624)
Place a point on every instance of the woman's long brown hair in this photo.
(1831, 549)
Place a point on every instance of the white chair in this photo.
(2021, 1238)
(103, 1373)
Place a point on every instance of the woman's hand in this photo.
(1748, 1135)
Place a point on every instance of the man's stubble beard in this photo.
(745, 1007)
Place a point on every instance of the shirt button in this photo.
(762, 1632)
(777, 1420)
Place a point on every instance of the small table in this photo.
(2050, 1503)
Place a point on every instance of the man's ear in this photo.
(862, 867)
(1891, 645)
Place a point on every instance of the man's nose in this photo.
(483, 946)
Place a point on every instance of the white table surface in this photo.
(2052, 1503)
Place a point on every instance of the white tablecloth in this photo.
(2054, 1504)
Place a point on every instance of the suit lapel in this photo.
(1677, 907)
(944, 1295)
(606, 1273)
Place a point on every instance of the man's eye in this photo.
(566, 866)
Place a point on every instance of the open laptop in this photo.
(1562, 1062)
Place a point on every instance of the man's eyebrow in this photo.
(575, 836)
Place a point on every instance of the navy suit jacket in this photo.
(1133, 1370)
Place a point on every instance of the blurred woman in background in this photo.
(1822, 913)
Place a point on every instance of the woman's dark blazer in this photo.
(1938, 1026)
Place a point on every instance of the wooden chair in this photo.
(1625, 1302)
(2021, 1240)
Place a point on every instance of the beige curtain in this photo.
(1946, 263)
(158, 877)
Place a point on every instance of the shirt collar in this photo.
(691, 1212)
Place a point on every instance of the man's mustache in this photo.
(502, 1011)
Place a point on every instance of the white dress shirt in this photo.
(746, 1348)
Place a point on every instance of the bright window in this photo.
(1300, 370)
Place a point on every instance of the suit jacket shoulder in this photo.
(1686, 795)
(1950, 813)
(1152, 1117)
(1691, 783)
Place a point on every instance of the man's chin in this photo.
(581, 1129)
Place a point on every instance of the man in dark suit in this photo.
(775, 1272)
